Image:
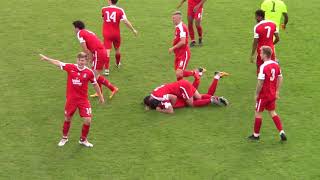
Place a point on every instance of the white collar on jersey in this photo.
(180, 24)
(84, 67)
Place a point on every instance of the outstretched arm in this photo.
(181, 3)
(129, 25)
(52, 61)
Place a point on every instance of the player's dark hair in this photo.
(260, 13)
(78, 24)
(153, 103)
(114, 1)
(146, 100)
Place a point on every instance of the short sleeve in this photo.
(255, 33)
(65, 66)
(123, 16)
(80, 37)
(261, 75)
(183, 34)
(284, 8)
(93, 79)
(102, 12)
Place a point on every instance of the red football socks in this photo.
(104, 81)
(201, 102)
(191, 31)
(66, 127)
(85, 131)
(199, 29)
(107, 64)
(213, 87)
(257, 126)
(277, 122)
(118, 58)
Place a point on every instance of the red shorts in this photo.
(263, 104)
(112, 39)
(83, 106)
(195, 15)
(181, 61)
(187, 89)
(99, 59)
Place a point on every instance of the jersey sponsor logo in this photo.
(76, 82)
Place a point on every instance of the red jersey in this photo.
(92, 41)
(77, 83)
(264, 31)
(269, 73)
(182, 89)
(181, 32)
(193, 2)
(112, 15)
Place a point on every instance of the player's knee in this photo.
(272, 113)
(258, 115)
(67, 118)
(198, 23)
(179, 73)
(87, 120)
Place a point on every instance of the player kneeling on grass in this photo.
(182, 93)
(267, 92)
(77, 95)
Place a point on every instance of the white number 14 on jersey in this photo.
(111, 17)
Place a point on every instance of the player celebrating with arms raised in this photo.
(112, 15)
(180, 47)
(77, 95)
(195, 11)
(267, 92)
(264, 32)
(91, 44)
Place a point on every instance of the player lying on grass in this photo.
(92, 45)
(77, 95)
(267, 92)
(182, 93)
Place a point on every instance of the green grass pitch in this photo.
(202, 143)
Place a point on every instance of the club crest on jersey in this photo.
(84, 75)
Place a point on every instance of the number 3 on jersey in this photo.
(273, 74)
(111, 16)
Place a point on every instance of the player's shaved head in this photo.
(266, 51)
(176, 17)
(260, 13)
(113, 1)
(78, 24)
